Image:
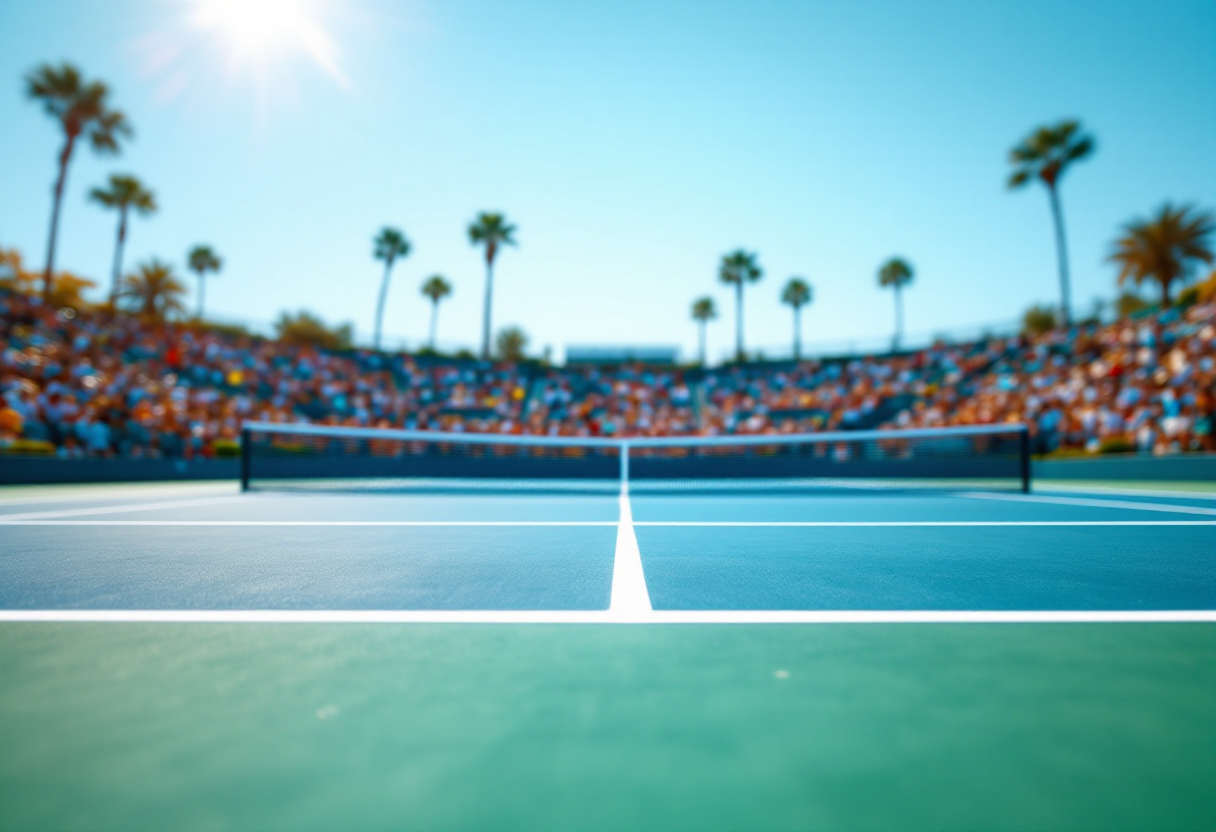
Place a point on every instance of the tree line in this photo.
(82, 108)
(1165, 248)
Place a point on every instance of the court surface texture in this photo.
(189, 657)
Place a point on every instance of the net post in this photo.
(246, 453)
(624, 464)
(1024, 437)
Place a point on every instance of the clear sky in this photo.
(633, 143)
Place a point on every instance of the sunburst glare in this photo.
(255, 32)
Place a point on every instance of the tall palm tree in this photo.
(388, 246)
(1166, 248)
(797, 293)
(738, 269)
(492, 231)
(202, 259)
(123, 194)
(83, 112)
(436, 288)
(703, 311)
(896, 273)
(155, 290)
(1045, 155)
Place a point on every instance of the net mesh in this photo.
(317, 458)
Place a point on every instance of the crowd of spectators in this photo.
(99, 384)
(628, 401)
(1145, 385)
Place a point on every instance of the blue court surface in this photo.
(724, 552)
(200, 658)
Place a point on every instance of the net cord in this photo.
(623, 445)
(337, 431)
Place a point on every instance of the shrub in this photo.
(28, 447)
(226, 448)
(1129, 305)
(1116, 445)
(510, 343)
(1038, 319)
(307, 329)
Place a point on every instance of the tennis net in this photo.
(311, 457)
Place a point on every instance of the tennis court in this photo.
(203, 658)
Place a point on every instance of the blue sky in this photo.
(633, 143)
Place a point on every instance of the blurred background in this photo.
(631, 144)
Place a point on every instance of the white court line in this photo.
(630, 596)
(635, 523)
(917, 523)
(1080, 501)
(314, 523)
(106, 493)
(609, 616)
(79, 512)
(689, 523)
(1127, 492)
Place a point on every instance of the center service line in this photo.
(630, 599)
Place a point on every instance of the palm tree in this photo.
(797, 293)
(1165, 248)
(201, 259)
(436, 288)
(389, 245)
(703, 311)
(154, 289)
(82, 110)
(1045, 155)
(737, 269)
(896, 273)
(492, 231)
(123, 194)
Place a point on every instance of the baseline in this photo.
(608, 616)
(631, 522)
(314, 523)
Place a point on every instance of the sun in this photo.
(262, 31)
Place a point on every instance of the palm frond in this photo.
(436, 287)
(895, 272)
(390, 244)
(797, 293)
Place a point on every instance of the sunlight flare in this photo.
(260, 31)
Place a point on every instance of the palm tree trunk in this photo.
(899, 317)
(202, 288)
(1057, 215)
(702, 340)
(434, 319)
(797, 333)
(485, 320)
(64, 157)
(388, 267)
(739, 321)
(122, 238)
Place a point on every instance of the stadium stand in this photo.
(100, 385)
